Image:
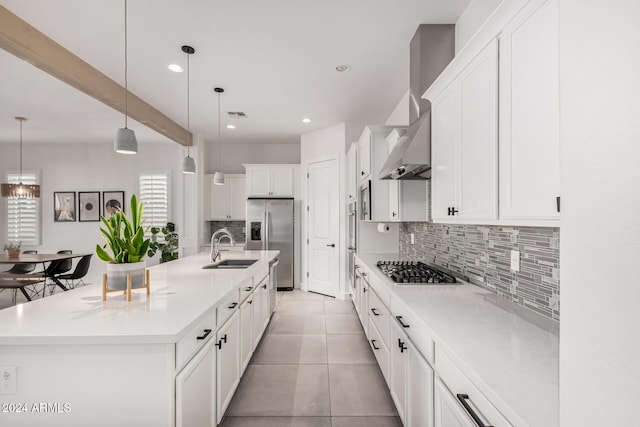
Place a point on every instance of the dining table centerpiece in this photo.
(124, 249)
(12, 249)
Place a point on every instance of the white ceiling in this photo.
(275, 59)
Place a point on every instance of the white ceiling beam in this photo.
(26, 42)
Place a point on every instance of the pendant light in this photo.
(188, 164)
(20, 191)
(218, 177)
(125, 141)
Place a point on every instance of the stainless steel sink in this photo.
(231, 263)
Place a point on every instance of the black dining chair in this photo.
(22, 268)
(56, 268)
(75, 278)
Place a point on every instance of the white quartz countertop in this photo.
(510, 353)
(181, 294)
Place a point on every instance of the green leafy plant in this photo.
(124, 237)
(12, 246)
(168, 245)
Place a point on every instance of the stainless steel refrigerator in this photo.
(270, 227)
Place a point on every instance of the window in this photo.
(154, 195)
(23, 215)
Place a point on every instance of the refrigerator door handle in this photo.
(268, 220)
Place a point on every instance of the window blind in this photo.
(154, 195)
(23, 215)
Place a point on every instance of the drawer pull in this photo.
(206, 334)
(373, 344)
(264, 286)
(401, 345)
(248, 288)
(463, 399)
(232, 305)
(375, 313)
(401, 321)
(251, 302)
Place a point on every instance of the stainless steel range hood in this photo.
(431, 50)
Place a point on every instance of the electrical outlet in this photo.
(413, 239)
(8, 380)
(515, 260)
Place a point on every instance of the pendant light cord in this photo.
(126, 90)
(219, 140)
(20, 152)
(188, 104)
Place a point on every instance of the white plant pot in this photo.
(117, 275)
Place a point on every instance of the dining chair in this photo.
(81, 270)
(56, 268)
(22, 268)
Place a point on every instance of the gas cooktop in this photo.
(414, 273)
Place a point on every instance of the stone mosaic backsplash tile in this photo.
(236, 228)
(481, 254)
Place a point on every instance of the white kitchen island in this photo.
(80, 361)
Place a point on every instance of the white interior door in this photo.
(323, 193)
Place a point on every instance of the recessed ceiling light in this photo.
(306, 120)
(175, 68)
(231, 127)
(343, 68)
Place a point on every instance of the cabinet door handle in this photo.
(402, 322)
(233, 305)
(373, 344)
(251, 302)
(364, 290)
(393, 214)
(558, 203)
(362, 173)
(206, 334)
(219, 344)
(264, 286)
(375, 313)
(332, 245)
(463, 399)
(401, 346)
(224, 338)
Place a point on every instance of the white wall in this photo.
(87, 167)
(600, 150)
(472, 18)
(234, 155)
(315, 146)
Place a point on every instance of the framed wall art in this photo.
(113, 201)
(88, 206)
(64, 206)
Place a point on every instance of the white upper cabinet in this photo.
(465, 143)
(270, 180)
(529, 114)
(364, 146)
(352, 172)
(227, 202)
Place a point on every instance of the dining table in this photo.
(20, 280)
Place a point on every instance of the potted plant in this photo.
(13, 249)
(125, 247)
(168, 245)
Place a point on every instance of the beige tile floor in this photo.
(313, 368)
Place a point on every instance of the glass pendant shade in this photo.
(125, 142)
(20, 191)
(188, 165)
(218, 178)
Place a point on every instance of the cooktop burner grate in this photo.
(413, 272)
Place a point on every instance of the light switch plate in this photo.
(8, 380)
(515, 260)
(413, 239)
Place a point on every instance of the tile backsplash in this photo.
(481, 254)
(236, 228)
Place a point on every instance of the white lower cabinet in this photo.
(265, 305)
(399, 368)
(448, 412)
(419, 390)
(228, 362)
(380, 349)
(195, 390)
(247, 312)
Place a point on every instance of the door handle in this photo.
(332, 245)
